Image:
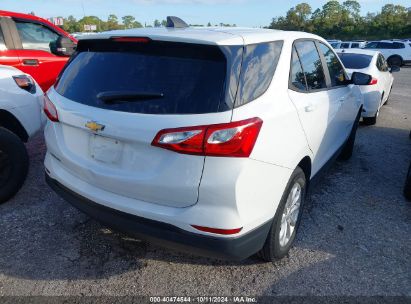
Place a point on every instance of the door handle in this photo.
(309, 108)
(341, 100)
(30, 62)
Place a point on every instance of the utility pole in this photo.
(84, 12)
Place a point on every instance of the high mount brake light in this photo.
(131, 39)
(50, 109)
(234, 139)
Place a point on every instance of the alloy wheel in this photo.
(290, 214)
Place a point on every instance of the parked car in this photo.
(377, 93)
(35, 46)
(20, 118)
(397, 53)
(348, 45)
(331, 41)
(205, 140)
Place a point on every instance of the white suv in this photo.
(204, 140)
(397, 53)
(20, 118)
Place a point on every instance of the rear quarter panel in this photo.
(280, 146)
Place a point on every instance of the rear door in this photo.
(385, 77)
(114, 98)
(36, 59)
(317, 111)
(341, 92)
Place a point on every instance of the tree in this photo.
(90, 20)
(353, 9)
(71, 25)
(344, 21)
(112, 23)
(157, 23)
(128, 21)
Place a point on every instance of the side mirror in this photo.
(64, 46)
(394, 69)
(358, 78)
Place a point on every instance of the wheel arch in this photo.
(306, 165)
(11, 123)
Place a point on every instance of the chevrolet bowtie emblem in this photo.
(94, 126)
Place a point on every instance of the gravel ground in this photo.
(354, 238)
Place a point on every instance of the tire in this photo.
(348, 148)
(14, 164)
(273, 248)
(395, 61)
(369, 121)
(407, 187)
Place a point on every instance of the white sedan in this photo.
(20, 118)
(377, 93)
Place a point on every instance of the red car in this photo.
(34, 46)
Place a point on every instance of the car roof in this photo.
(21, 15)
(207, 35)
(357, 51)
(35, 18)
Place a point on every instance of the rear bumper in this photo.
(165, 234)
(372, 101)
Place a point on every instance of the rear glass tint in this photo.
(355, 61)
(258, 68)
(163, 77)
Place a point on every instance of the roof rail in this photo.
(176, 22)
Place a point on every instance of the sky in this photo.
(251, 13)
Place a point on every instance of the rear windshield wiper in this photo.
(127, 96)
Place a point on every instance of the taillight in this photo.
(373, 81)
(234, 139)
(217, 230)
(50, 109)
(25, 82)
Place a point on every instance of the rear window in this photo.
(398, 45)
(151, 78)
(355, 61)
(371, 45)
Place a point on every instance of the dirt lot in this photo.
(354, 239)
